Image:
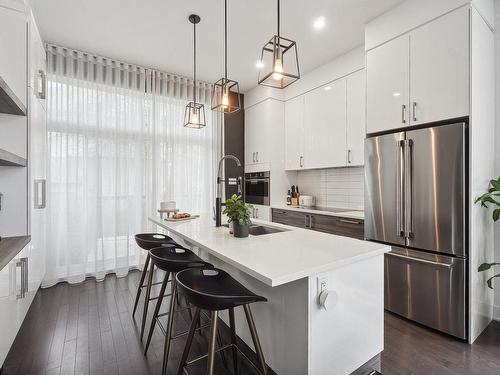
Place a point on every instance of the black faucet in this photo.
(220, 180)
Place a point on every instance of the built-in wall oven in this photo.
(257, 188)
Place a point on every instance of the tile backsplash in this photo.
(335, 187)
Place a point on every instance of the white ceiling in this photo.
(157, 34)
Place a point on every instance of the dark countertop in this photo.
(10, 247)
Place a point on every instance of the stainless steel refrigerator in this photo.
(415, 200)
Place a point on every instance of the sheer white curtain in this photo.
(116, 148)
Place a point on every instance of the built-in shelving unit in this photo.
(8, 159)
(9, 102)
(10, 247)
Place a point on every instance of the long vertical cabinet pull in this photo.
(40, 194)
(414, 105)
(348, 156)
(42, 91)
(403, 114)
(409, 188)
(22, 264)
(400, 195)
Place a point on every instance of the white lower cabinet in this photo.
(261, 212)
(15, 298)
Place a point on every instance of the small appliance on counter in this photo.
(307, 201)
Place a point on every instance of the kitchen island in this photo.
(290, 268)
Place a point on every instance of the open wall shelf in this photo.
(8, 159)
(9, 102)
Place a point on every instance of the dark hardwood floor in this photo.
(88, 329)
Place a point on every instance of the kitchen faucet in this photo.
(220, 180)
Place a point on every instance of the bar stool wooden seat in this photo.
(214, 290)
(147, 241)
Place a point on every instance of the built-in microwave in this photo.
(257, 188)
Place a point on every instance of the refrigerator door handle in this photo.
(409, 188)
(400, 196)
(447, 265)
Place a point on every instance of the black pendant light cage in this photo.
(194, 115)
(279, 61)
(226, 92)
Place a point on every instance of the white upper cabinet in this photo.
(13, 41)
(420, 77)
(388, 77)
(356, 114)
(439, 85)
(325, 126)
(294, 133)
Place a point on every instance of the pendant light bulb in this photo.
(278, 70)
(195, 118)
(225, 98)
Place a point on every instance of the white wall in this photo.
(496, 311)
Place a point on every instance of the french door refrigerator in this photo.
(415, 200)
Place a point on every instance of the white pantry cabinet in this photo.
(325, 126)
(387, 82)
(439, 69)
(294, 133)
(421, 76)
(13, 50)
(356, 115)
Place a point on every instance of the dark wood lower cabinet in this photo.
(341, 226)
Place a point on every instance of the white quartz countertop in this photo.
(354, 214)
(276, 258)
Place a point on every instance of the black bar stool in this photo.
(148, 241)
(171, 259)
(215, 290)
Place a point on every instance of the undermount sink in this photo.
(259, 230)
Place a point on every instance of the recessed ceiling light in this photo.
(328, 88)
(259, 64)
(319, 23)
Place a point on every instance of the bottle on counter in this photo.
(288, 198)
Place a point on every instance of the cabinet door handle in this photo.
(281, 212)
(348, 156)
(414, 111)
(257, 156)
(301, 161)
(403, 114)
(253, 157)
(350, 221)
(305, 221)
(40, 189)
(310, 221)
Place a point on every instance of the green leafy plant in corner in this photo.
(490, 198)
(237, 211)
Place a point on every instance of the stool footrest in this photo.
(225, 347)
(157, 283)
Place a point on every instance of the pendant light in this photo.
(226, 92)
(279, 62)
(194, 116)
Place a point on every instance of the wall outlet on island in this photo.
(322, 284)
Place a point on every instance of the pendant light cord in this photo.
(278, 19)
(194, 68)
(225, 39)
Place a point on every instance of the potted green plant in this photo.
(238, 214)
(486, 199)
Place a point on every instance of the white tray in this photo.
(183, 219)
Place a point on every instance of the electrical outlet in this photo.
(322, 284)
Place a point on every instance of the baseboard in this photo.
(496, 313)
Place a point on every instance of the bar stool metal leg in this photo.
(146, 299)
(233, 340)
(189, 342)
(157, 311)
(168, 335)
(211, 345)
(141, 283)
(255, 338)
